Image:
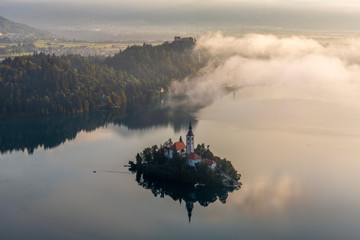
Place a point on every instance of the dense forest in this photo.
(159, 64)
(47, 84)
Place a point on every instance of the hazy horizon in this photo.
(144, 20)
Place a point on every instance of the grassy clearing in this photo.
(66, 47)
(7, 44)
(59, 44)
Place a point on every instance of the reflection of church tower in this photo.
(190, 141)
(189, 207)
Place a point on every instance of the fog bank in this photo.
(290, 67)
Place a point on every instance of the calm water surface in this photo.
(299, 160)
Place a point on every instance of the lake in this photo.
(299, 161)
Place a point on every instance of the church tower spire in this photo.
(189, 208)
(189, 140)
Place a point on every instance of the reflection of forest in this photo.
(184, 192)
(49, 132)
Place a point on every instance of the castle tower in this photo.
(190, 141)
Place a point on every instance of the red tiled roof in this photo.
(193, 156)
(178, 146)
(208, 162)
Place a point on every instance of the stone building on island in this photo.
(188, 151)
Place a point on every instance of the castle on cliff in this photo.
(184, 39)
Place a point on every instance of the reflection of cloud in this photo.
(267, 194)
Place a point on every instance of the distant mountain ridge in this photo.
(8, 26)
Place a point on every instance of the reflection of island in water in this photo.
(185, 192)
(49, 132)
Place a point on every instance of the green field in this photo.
(58, 44)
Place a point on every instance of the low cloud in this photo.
(302, 67)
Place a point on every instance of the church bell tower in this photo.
(190, 141)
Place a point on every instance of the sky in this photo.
(117, 18)
(320, 3)
(312, 5)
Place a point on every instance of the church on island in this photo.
(188, 152)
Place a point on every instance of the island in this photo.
(182, 163)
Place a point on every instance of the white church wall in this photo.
(170, 153)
